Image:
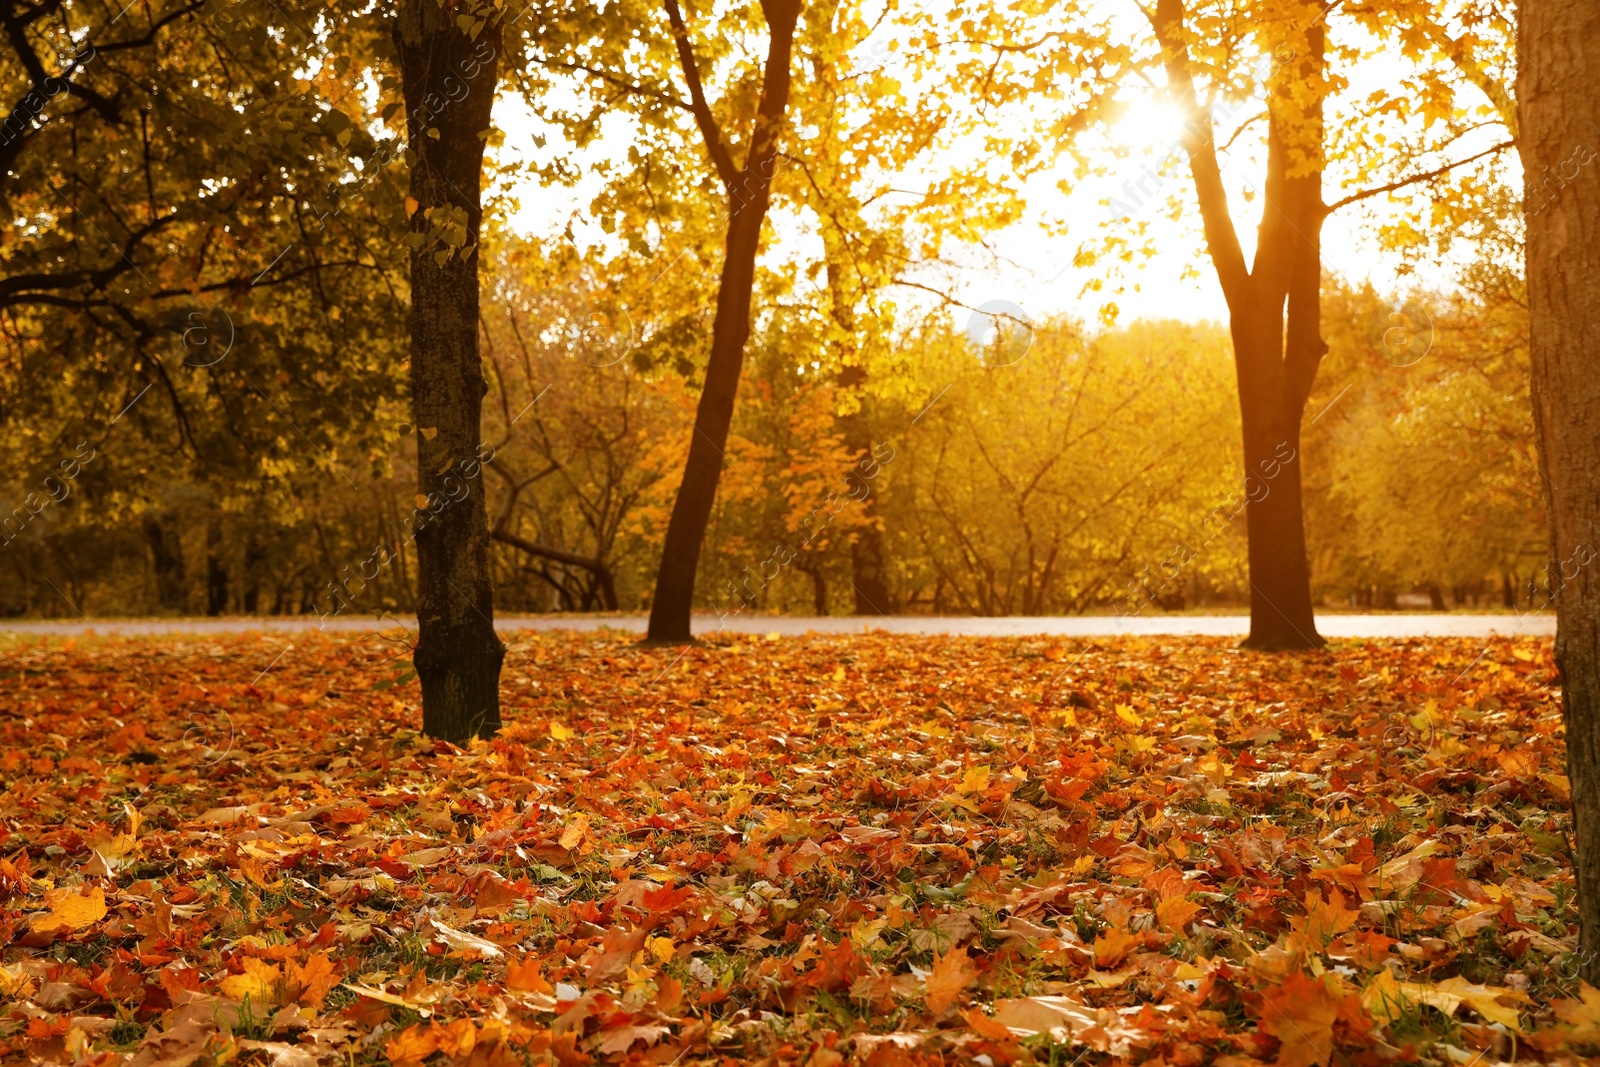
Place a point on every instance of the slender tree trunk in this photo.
(1558, 107)
(749, 191)
(691, 512)
(166, 557)
(216, 571)
(458, 656)
(868, 574)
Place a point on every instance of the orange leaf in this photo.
(1324, 921)
(1300, 1014)
(526, 976)
(412, 1045)
(310, 982)
(1113, 946)
(952, 973)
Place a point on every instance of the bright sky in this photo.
(1031, 267)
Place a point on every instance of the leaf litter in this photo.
(866, 849)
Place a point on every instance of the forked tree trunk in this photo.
(749, 190)
(458, 656)
(1274, 307)
(1559, 106)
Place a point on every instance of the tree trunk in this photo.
(458, 655)
(749, 191)
(166, 557)
(867, 571)
(216, 571)
(1275, 317)
(1558, 101)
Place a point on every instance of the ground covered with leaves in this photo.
(875, 849)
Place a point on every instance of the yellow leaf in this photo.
(1128, 715)
(662, 948)
(1583, 1015)
(560, 732)
(976, 780)
(13, 981)
(575, 832)
(71, 910)
(260, 982)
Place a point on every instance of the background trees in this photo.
(250, 325)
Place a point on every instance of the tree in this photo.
(448, 62)
(748, 188)
(1274, 300)
(1558, 101)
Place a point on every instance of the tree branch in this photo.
(721, 158)
(1415, 178)
(1222, 240)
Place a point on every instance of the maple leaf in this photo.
(527, 976)
(309, 983)
(70, 910)
(576, 831)
(615, 953)
(621, 1039)
(1060, 1017)
(1324, 920)
(1300, 1013)
(412, 1045)
(974, 782)
(260, 982)
(1113, 946)
(951, 973)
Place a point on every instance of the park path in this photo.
(1398, 625)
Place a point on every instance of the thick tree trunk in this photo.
(1281, 614)
(448, 80)
(749, 191)
(1558, 107)
(1274, 307)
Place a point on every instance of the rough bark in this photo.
(1559, 104)
(748, 192)
(1274, 308)
(448, 80)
